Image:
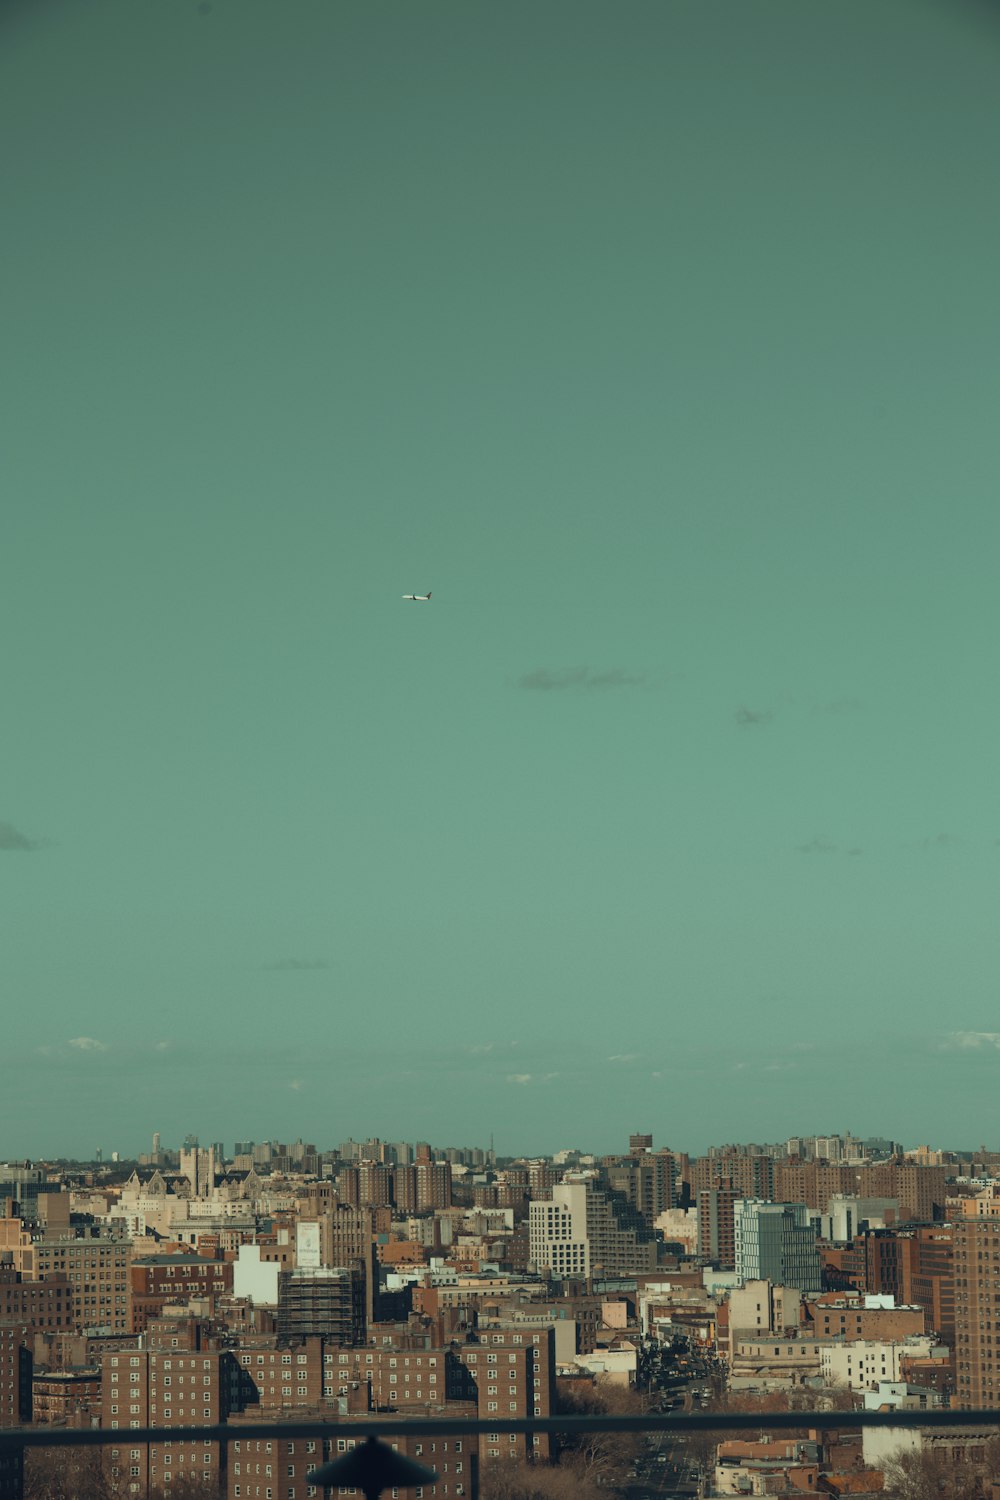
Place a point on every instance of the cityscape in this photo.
(215, 1285)
(499, 833)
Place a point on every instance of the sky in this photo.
(659, 341)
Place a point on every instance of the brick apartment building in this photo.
(716, 1208)
(919, 1190)
(913, 1264)
(508, 1373)
(977, 1312)
(276, 1376)
(647, 1180)
(278, 1468)
(15, 1401)
(750, 1176)
(159, 1281)
(96, 1268)
(929, 1276)
(835, 1316)
(65, 1398)
(157, 1387)
(41, 1305)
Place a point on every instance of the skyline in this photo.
(659, 344)
(586, 1152)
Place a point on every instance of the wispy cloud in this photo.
(525, 1078)
(753, 718)
(296, 1085)
(817, 845)
(13, 839)
(295, 965)
(624, 1057)
(543, 680)
(941, 841)
(966, 1041)
(820, 844)
(87, 1044)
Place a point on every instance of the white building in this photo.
(845, 1215)
(255, 1279)
(557, 1231)
(863, 1364)
(617, 1366)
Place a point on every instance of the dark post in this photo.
(372, 1468)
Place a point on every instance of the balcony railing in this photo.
(388, 1425)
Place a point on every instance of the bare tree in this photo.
(67, 1474)
(511, 1479)
(940, 1472)
(601, 1457)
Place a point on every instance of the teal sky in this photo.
(660, 341)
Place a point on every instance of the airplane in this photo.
(419, 598)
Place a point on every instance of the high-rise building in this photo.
(751, 1174)
(433, 1179)
(647, 1180)
(97, 1269)
(977, 1312)
(716, 1231)
(404, 1188)
(929, 1276)
(374, 1184)
(584, 1230)
(776, 1242)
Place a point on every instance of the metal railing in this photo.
(388, 1425)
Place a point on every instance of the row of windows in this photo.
(268, 1494)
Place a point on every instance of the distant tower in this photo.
(156, 1143)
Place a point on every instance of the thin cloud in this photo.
(295, 965)
(967, 1041)
(542, 680)
(753, 718)
(87, 1044)
(526, 1078)
(296, 1084)
(941, 841)
(12, 838)
(817, 845)
(624, 1057)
